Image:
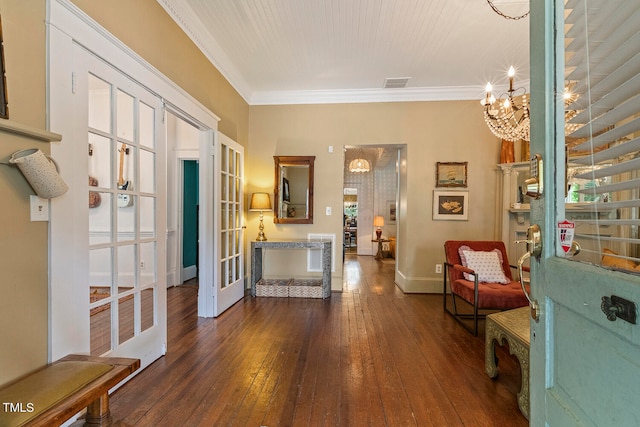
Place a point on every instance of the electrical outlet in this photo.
(141, 265)
(328, 210)
(438, 268)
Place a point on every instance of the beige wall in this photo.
(23, 244)
(145, 27)
(432, 132)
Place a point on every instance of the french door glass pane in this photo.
(146, 125)
(126, 320)
(125, 116)
(126, 217)
(126, 267)
(147, 217)
(147, 172)
(99, 158)
(100, 273)
(100, 223)
(223, 242)
(100, 329)
(99, 104)
(147, 263)
(147, 313)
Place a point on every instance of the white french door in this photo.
(116, 293)
(229, 285)
(585, 345)
(126, 231)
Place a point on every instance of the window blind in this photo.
(602, 65)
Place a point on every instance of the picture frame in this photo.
(451, 174)
(450, 205)
(4, 107)
(391, 211)
(286, 196)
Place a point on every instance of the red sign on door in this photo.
(566, 230)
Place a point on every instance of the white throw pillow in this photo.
(487, 266)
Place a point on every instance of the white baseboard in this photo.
(189, 272)
(418, 285)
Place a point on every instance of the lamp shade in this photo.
(260, 202)
(359, 165)
(378, 221)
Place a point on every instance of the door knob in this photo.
(534, 247)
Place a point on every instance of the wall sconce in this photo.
(260, 202)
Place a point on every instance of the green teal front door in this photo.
(585, 364)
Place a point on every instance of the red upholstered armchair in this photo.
(479, 273)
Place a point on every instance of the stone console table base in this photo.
(256, 260)
(511, 326)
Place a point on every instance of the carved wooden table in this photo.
(511, 326)
(379, 255)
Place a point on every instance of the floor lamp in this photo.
(260, 202)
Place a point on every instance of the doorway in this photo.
(190, 220)
(371, 197)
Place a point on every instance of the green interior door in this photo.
(585, 364)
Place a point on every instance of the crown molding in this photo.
(188, 21)
(459, 93)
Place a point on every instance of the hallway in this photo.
(368, 356)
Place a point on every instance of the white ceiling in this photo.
(318, 51)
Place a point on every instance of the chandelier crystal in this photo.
(508, 117)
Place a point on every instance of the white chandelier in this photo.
(359, 165)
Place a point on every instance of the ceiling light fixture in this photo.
(359, 165)
(508, 116)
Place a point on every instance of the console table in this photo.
(256, 259)
(511, 326)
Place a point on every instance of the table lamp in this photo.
(260, 202)
(378, 221)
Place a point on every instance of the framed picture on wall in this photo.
(451, 174)
(450, 205)
(391, 211)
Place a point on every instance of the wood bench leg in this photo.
(98, 413)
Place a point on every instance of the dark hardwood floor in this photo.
(370, 356)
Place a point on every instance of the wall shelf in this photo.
(15, 128)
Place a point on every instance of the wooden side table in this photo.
(513, 327)
(380, 242)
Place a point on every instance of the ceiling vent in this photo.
(396, 82)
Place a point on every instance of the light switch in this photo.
(39, 209)
(328, 210)
(331, 148)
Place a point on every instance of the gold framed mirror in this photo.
(293, 192)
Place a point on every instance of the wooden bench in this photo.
(52, 395)
(513, 327)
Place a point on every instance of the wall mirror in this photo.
(293, 192)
